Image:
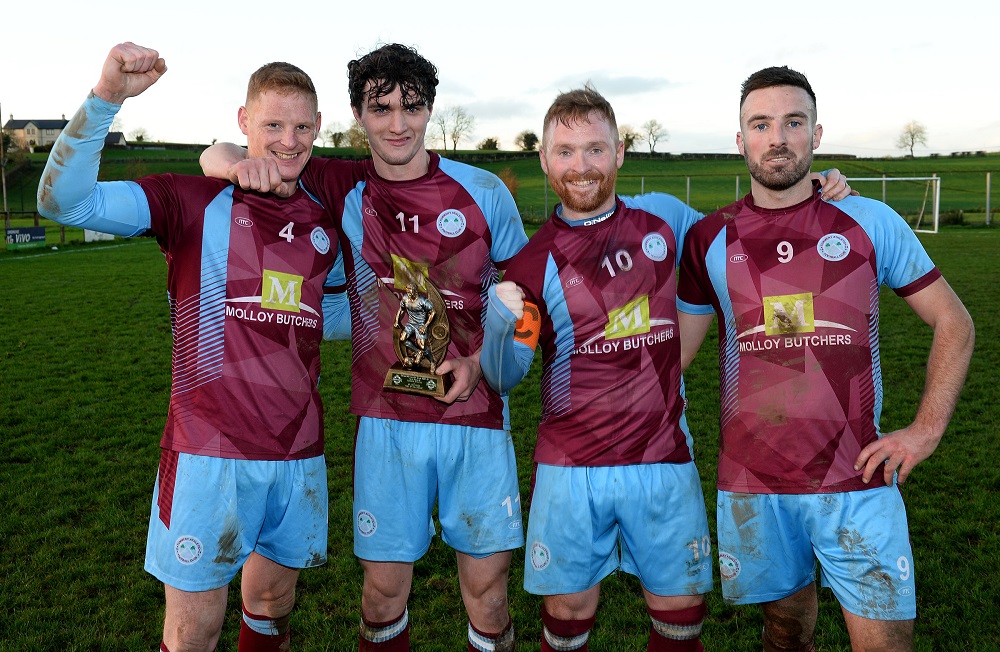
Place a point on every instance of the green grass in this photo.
(85, 360)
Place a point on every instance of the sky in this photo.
(875, 66)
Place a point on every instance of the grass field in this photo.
(84, 361)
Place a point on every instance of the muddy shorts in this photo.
(402, 467)
(769, 545)
(210, 513)
(648, 520)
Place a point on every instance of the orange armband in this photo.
(527, 328)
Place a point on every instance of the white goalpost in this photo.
(910, 199)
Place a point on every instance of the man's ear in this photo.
(243, 118)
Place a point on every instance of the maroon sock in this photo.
(264, 634)
(563, 635)
(502, 641)
(677, 631)
(390, 636)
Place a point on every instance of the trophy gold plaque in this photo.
(421, 334)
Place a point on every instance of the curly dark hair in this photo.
(388, 67)
(775, 76)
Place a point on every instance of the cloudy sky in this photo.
(874, 65)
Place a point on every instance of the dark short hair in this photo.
(575, 106)
(387, 68)
(775, 76)
(283, 78)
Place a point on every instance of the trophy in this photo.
(420, 337)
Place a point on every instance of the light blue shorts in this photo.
(210, 513)
(402, 467)
(769, 545)
(647, 519)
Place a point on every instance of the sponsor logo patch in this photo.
(789, 313)
(281, 291)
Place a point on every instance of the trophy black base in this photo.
(410, 381)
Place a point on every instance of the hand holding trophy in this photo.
(421, 342)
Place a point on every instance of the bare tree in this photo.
(526, 141)
(913, 134)
(139, 135)
(462, 124)
(440, 121)
(653, 132)
(629, 136)
(454, 122)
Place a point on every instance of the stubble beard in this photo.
(780, 179)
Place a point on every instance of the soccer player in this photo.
(242, 477)
(615, 481)
(418, 218)
(804, 472)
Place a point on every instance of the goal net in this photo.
(917, 199)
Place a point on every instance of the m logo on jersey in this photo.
(789, 313)
(281, 291)
(630, 319)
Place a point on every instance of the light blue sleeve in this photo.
(678, 215)
(900, 256)
(504, 360)
(497, 205)
(336, 307)
(69, 192)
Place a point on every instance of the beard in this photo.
(780, 179)
(592, 199)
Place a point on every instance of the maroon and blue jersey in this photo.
(245, 282)
(605, 296)
(245, 277)
(454, 227)
(796, 291)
